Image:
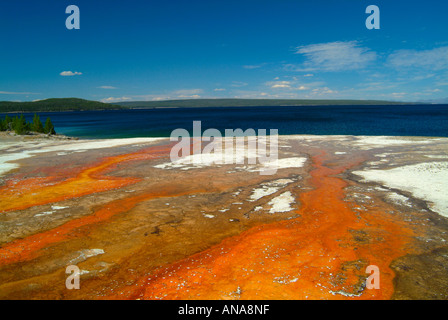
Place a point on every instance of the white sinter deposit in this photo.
(367, 142)
(426, 181)
(32, 148)
(269, 188)
(239, 155)
(282, 203)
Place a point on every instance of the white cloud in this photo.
(112, 99)
(254, 66)
(219, 89)
(70, 73)
(193, 96)
(398, 95)
(178, 94)
(187, 92)
(238, 84)
(295, 91)
(264, 95)
(279, 84)
(293, 85)
(8, 92)
(434, 59)
(152, 97)
(334, 56)
(107, 87)
(308, 75)
(325, 91)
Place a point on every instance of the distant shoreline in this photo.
(59, 111)
(225, 103)
(74, 104)
(186, 107)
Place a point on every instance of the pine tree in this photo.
(14, 123)
(49, 128)
(7, 123)
(37, 125)
(19, 125)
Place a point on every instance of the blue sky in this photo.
(157, 50)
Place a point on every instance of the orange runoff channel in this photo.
(29, 193)
(90, 180)
(314, 256)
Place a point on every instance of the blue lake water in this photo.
(403, 120)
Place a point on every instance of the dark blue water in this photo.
(406, 120)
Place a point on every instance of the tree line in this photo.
(20, 126)
(50, 105)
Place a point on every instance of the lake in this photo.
(393, 120)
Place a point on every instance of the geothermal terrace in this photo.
(141, 227)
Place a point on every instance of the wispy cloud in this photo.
(334, 56)
(191, 96)
(113, 99)
(434, 59)
(187, 92)
(323, 92)
(70, 73)
(257, 66)
(173, 95)
(147, 97)
(219, 89)
(247, 94)
(8, 92)
(107, 87)
(279, 84)
(238, 84)
(293, 85)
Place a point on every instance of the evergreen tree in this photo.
(3, 125)
(14, 123)
(49, 128)
(37, 125)
(7, 123)
(19, 125)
